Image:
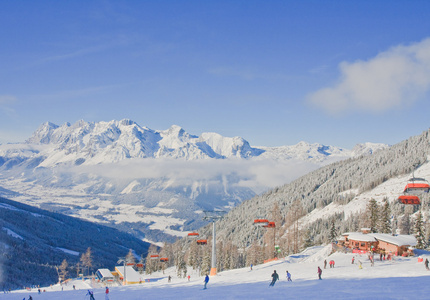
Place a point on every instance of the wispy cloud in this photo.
(7, 99)
(257, 174)
(393, 78)
(74, 54)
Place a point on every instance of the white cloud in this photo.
(393, 78)
(257, 174)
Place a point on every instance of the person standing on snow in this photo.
(319, 273)
(206, 281)
(107, 294)
(426, 263)
(91, 295)
(275, 277)
(325, 263)
(289, 276)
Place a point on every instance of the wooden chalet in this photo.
(378, 242)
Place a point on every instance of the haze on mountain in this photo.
(153, 183)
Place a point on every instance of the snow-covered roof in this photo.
(105, 273)
(356, 236)
(131, 274)
(399, 240)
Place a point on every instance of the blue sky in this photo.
(272, 72)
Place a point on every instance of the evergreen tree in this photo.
(130, 258)
(206, 262)
(405, 225)
(307, 240)
(333, 234)
(372, 213)
(419, 231)
(384, 218)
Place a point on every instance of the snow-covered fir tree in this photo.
(419, 231)
(385, 217)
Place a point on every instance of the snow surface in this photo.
(402, 278)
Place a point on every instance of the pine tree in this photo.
(307, 240)
(419, 231)
(372, 215)
(206, 262)
(384, 218)
(405, 225)
(130, 258)
(333, 234)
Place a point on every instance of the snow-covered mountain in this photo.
(153, 183)
(334, 194)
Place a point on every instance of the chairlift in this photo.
(416, 186)
(164, 259)
(261, 222)
(409, 199)
(139, 265)
(193, 235)
(154, 256)
(202, 242)
(270, 225)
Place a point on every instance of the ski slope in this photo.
(402, 278)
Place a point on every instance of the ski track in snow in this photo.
(402, 278)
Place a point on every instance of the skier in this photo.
(289, 276)
(107, 294)
(427, 264)
(169, 278)
(30, 298)
(91, 295)
(206, 281)
(275, 277)
(325, 263)
(319, 273)
(353, 258)
(189, 277)
(251, 267)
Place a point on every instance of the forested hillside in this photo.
(323, 194)
(34, 241)
(322, 187)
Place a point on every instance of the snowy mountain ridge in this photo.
(157, 182)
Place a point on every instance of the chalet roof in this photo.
(356, 236)
(131, 274)
(105, 273)
(398, 240)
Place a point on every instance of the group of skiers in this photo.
(275, 277)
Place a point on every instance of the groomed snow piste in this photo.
(402, 278)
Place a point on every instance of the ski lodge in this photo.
(362, 242)
(104, 275)
(131, 276)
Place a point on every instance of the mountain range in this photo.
(154, 184)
